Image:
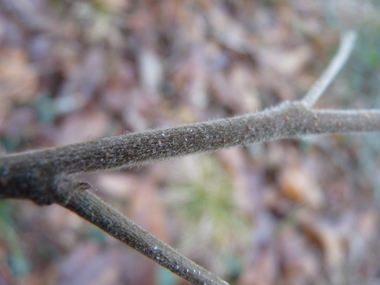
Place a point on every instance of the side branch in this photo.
(97, 212)
(320, 86)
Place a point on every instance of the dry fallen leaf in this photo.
(299, 186)
(18, 79)
(298, 264)
(328, 237)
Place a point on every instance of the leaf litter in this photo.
(279, 213)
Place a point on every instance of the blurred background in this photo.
(285, 212)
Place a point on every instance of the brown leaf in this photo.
(299, 265)
(329, 238)
(299, 186)
(18, 79)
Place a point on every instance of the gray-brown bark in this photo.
(29, 175)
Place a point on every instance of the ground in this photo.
(285, 212)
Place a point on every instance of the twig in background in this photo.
(319, 87)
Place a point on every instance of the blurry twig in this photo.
(320, 86)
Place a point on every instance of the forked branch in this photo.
(47, 176)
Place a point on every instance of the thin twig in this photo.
(99, 213)
(319, 87)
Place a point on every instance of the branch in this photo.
(46, 176)
(320, 86)
(288, 120)
(94, 210)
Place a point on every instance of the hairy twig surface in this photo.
(94, 210)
